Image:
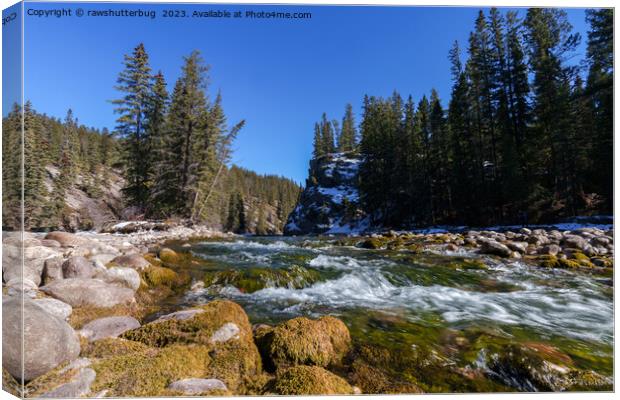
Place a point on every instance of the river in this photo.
(399, 299)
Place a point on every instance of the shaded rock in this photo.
(108, 327)
(310, 380)
(135, 261)
(47, 339)
(78, 386)
(80, 292)
(197, 385)
(520, 247)
(52, 270)
(495, 248)
(551, 249)
(77, 267)
(55, 307)
(575, 241)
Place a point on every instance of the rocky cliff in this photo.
(330, 202)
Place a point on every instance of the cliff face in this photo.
(330, 202)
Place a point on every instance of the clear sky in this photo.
(278, 75)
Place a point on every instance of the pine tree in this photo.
(318, 148)
(135, 82)
(347, 141)
(327, 135)
(599, 89)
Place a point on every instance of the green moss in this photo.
(254, 279)
(197, 329)
(162, 276)
(566, 263)
(548, 261)
(83, 315)
(50, 380)
(168, 256)
(310, 380)
(468, 264)
(321, 342)
(111, 347)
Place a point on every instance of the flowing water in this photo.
(397, 298)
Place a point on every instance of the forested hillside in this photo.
(526, 137)
(167, 158)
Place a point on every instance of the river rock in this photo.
(77, 267)
(55, 307)
(180, 315)
(50, 243)
(122, 276)
(520, 247)
(108, 327)
(575, 241)
(67, 239)
(227, 332)
(135, 261)
(79, 292)
(33, 261)
(495, 248)
(78, 386)
(551, 249)
(52, 270)
(48, 340)
(103, 258)
(193, 386)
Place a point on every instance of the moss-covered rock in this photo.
(254, 279)
(198, 329)
(82, 315)
(321, 342)
(373, 243)
(310, 380)
(111, 347)
(169, 256)
(162, 276)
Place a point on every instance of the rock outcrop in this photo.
(330, 201)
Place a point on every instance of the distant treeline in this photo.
(524, 138)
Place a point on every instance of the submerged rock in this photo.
(254, 279)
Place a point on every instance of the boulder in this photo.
(48, 341)
(575, 241)
(50, 243)
(321, 342)
(520, 247)
(122, 276)
(33, 261)
(551, 249)
(79, 292)
(194, 386)
(103, 258)
(55, 307)
(67, 239)
(52, 270)
(108, 327)
(168, 256)
(135, 261)
(495, 248)
(77, 267)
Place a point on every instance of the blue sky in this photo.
(278, 75)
